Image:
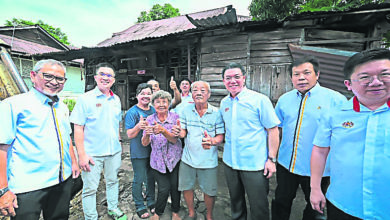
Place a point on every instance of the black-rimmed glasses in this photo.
(50, 77)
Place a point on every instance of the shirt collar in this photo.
(99, 93)
(240, 94)
(357, 106)
(42, 97)
(209, 108)
(311, 91)
(168, 120)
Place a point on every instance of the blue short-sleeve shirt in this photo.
(359, 156)
(299, 115)
(246, 117)
(39, 139)
(133, 115)
(100, 115)
(193, 153)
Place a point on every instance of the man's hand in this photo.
(176, 129)
(85, 161)
(142, 123)
(8, 203)
(157, 128)
(172, 84)
(317, 200)
(75, 170)
(269, 169)
(207, 141)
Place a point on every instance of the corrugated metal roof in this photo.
(228, 17)
(27, 47)
(331, 65)
(164, 27)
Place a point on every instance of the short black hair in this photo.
(141, 87)
(105, 64)
(306, 59)
(364, 57)
(186, 79)
(233, 65)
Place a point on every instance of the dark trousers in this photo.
(53, 201)
(256, 187)
(285, 193)
(335, 213)
(167, 183)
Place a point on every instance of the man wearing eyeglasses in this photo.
(299, 111)
(356, 136)
(36, 151)
(96, 117)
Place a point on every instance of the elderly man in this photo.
(203, 129)
(172, 84)
(299, 112)
(96, 118)
(356, 135)
(250, 121)
(36, 151)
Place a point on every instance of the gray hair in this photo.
(200, 81)
(161, 94)
(38, 66)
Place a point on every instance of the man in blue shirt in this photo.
(251, 125)
(96, 117)
(203, 129)
(36, 151)
(356, 135)
(299, 112)
(186, 96)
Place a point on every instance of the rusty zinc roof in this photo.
(26, 47)
(164, 27)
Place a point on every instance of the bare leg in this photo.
(189, 198)
(175, 216)
(155, 217)
(209, 201)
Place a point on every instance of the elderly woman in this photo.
(135, 123)
(166, 153)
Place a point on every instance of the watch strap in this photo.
(3, 191)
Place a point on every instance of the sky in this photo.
(88, 22)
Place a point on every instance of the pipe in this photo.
(10, 66)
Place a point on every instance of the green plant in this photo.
(70, 103)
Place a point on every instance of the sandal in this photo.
(143, 214)
(152, 209)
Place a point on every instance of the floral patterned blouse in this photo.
(165, 155)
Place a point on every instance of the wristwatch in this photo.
(3, 191)
(272, 159)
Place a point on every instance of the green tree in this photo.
(158, 12)
(55, 32)
(280, 9)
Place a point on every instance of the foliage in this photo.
(158, 12)
(280, 9)
(55, 32)
(70, 103)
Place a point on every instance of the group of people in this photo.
(328, 145)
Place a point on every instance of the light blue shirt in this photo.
(185, 101)
(299, 115)
(246, 117)
(39, 139)
(100, 115)
(193, 153)
(359, 141)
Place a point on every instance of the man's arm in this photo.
(8, 201)
(75, 166)
(176, 93)
(84, 159)
(317, 166)
(273, 144)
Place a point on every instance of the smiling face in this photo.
(200, 93)
(185, 86)
(105, 78)
(161, 105)
(155, 85)
(375, 92)
(304, 77)
(41, 78)
(234, 81)
(144, 97)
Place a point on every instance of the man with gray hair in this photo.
(202, 126)
(36, 151)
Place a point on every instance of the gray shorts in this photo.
(207, 178)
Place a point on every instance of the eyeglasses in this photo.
(106, 74)
(367, 79)
(49, 77)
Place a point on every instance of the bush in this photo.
(70, 103)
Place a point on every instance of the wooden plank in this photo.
(222, 63)
(219, 48)
(211, 77)
(331, 34)
(271, 53)
(339, 41)
(217, 84)
(222, 92)
(211, 70)
(281, 81)
(271, 60)
(225, 38)
(223, 56)
(277, 35)
(272, 46)
(287, 41)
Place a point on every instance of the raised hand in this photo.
(176, 129)
(172, 84)
(142, 123)
(206, 141)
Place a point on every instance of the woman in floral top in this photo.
(166, 153)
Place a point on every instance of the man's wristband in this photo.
(3, 191)
(272, 159)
